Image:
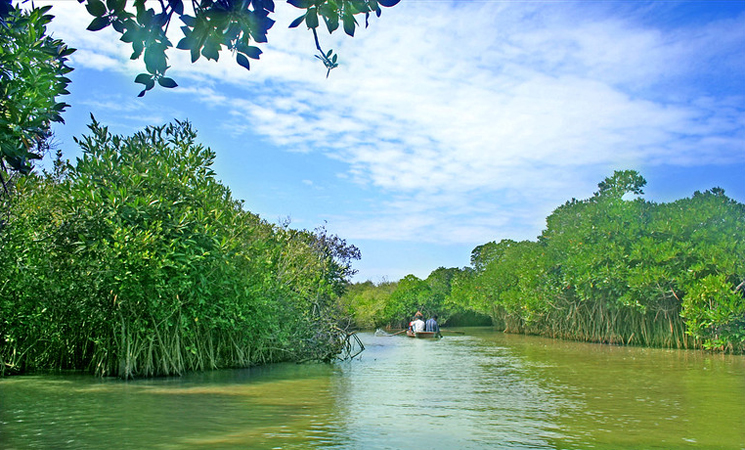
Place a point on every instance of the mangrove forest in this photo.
(137, 261)
(612, 268)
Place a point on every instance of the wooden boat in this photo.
(423, 334)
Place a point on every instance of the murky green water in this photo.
(481, 390)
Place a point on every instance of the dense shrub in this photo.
(137, 261)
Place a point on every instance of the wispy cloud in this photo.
(474, 119)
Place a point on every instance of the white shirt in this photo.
(418, 325)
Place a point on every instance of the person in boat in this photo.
(432, 325)
(418, 324)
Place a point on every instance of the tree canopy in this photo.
(210, 26)
(605, 269)
(33, 65)
(33, 69)
(137, 261)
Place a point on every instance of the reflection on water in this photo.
(479, 390)
(454, 393)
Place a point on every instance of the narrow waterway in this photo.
(477, 390)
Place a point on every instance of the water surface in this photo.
(478, 390)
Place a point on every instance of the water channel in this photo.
(477, 390)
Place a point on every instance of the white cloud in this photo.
(475, 119)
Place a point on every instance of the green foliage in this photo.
(622, 271)
(33, 69)
(365, 302)
(713, 303)
(440, 283)
(209, 26)
(606, 269)
(412, 294)
(715, 312)
(394, 304)
(484, 254)
(622, 182)
(136, 261)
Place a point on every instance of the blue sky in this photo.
(448, 124)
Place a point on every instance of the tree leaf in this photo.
(131, 35)
(388, 3)
(332, 23)
(5, 8)
(177, 6)
(243, 61)
(297, 21)
(359, 6)
(303, 4)
(143, 78)
(211, 50)
(67, 51)
(118, 26)
(155, 58)
(184, 44)
(328, 10)
(349, 24)
(194, 54)
(252, 52)
(116, 5)
(99, 23)
(96, 8)
(167, 82)
(149, 83)
(137, 48)
(189, 21)
(311, 18)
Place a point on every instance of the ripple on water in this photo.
(479, 391)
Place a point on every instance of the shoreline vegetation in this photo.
(136, 262)
(613, 268)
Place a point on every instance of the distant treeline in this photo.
(606, 269)
(136, 261)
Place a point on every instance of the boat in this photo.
(423, 334)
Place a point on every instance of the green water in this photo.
(480, 390)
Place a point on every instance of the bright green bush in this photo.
(141, 263)
(608, 269)
(33, 69)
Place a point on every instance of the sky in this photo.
(447, 124)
